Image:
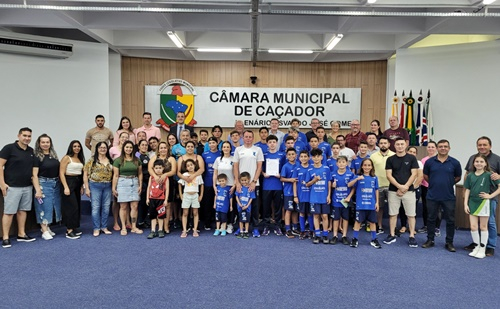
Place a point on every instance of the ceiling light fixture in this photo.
(336, 39)
(486, 2)
(371, 1)
(173, 36)
(219, 50)
(289, 51)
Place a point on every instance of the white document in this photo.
(273, 167)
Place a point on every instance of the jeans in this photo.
(492, 225)
(449, 215)
(51, 201)
(100, 199)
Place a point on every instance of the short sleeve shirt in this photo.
(98, 135)
(19, 166)
(401, 169)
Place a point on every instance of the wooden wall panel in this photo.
(371, 77)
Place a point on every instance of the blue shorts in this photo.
(244, 216)
(320, 209)
(220, 216)
(289, 204)
(368, 215)
(304, 208)
(340, 212)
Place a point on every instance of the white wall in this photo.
(115, 91)
(60, 97)
(465, 82)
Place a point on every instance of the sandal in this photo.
(137, 231)
(106, 231)
(167, 231)
(96, 233)
(116, 228)
(184, 234)
(195, 234)
(402, 230)
(123, 232)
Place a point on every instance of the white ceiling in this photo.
(138, 28)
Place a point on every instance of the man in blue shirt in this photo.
(442, 172)
(208, 176)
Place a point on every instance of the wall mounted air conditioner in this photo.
(13, 44)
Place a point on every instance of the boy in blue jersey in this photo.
(301, 193)
(207, 212)
(319, 181)
(291, 141)
(262, 144)
(366, 185)
(324, 146)
(340, 199)
(223, 203)
(362, 154)
(244, 201)
(332, 161)
(272, 188)
(290, 206)
(314, 144)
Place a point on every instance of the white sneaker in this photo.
(229, 229)
(47, 236)
(50, 231)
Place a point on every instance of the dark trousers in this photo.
(433, 208)
(207, 206)
(71, 208)
(270, 197)
(255, 208)
(142, 210)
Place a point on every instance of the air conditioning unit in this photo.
(25, 45)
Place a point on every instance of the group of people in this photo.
(300, 185)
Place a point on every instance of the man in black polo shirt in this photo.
(442, 172)
(484, 147)
(16, 168)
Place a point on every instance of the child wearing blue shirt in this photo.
(366, 185)
(244, 201)
(319, 180)
(301, 194)
(223, 203)
(272, 188)
(362, 154)
(290, 206)
(340, 199)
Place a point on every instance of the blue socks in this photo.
(355, 234)
(310, 219)
(302, 221)
(317, 233)
(287, 227)
(374, 235)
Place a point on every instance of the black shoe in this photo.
(375, 244)
(6, 243)
(77, 232)
(326, 241)
(295, 232)
(345, 241)
(289, 234)
(470, 247)
(428, 244)
(72, 235)
(316, 240)
(490, 252)
(449, 246)
(334, 240)
(25, 238)
(354, 243)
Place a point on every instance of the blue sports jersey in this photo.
(356, 163)
(332, 165)
(298, 146)
(222, 198)
(244, 196)
(302, 190)
(365, 193)
(262, 146)
(287, 172)
(319, 190)
(273, 183)
(341, 190)
(209, 158)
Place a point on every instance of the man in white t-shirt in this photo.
(249, 158)
(344, 151)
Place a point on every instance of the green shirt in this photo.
(129, 168)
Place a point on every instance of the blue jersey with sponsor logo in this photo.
(272, 182)
(319, 190)
(222, 198)
(244, 196)
(209, 158)
(356, 163)
(366, 190)
(287, 172)
(302, 190)
(341, 190)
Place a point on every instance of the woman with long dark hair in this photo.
(70, 173)
(47, 185)
(97, 177)
(125, 126)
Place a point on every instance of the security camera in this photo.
(253, 79)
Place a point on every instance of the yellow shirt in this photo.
(379, 165)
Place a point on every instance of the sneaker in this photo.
(217, 233)
(223, 233)
(490, 252)
(239, 235)
(229, 229)
(151, 235)
(449, 246)
(334, 240)
(389, 240)
(50, 232)
(326, 241)
(255, 233)
(295, 232)
(380, 231)
(161, 234)
(25, 238)
(289, 234)
(6, 243)
(311, 234)
(470, 247)
(77, 232)
(245, 235)
(72, 235)
(437, 232)
(237, 232)
(46, 235)
(207, 228)
(266, 231)
(345, 241)
(375, 244)
(422, 230)
(316, 240)
(354, 243)
(302, 236)
(428, 244)
(412, 242)
(278, 231)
